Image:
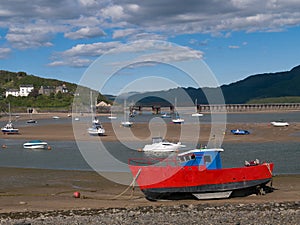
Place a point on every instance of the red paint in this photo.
(189, 176)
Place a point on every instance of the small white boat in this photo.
(161, 145)
(197, 114)
(76, 118)
(165, 115)
(178, 120)
(55, 117)
(9, 129)
(280, 124)
(35, 144)
(112, 117)
(31, 121)
(96, 130)
(127, 124)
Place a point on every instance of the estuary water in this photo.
(113, 156)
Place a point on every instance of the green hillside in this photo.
(286, 99)
(59, 101)
(261, 88)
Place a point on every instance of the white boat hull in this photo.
(163, 146)
(96, 132)
(41, 145)
(127, 124)
(197, 114)
(35, 146)
(178, 121)
(280, 124)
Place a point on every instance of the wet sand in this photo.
(259, 132)
(43, 190)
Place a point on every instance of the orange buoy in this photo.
(76, 194)
(49, 147)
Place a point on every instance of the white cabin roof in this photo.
(202, 150)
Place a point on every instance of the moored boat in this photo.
(9, 129)
(197, 114)
(96, 130)
(35, 144)
(280, 124)
(31, 121)
(161, 145)
(178, 120)
(127, 124)
(165, 115)
(199, 174)
(239, 132)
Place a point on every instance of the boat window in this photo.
(207, 159)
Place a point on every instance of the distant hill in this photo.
(253, 88)
(12, 80)
(268, 85)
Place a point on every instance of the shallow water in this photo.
(67, 156)
(147, 117)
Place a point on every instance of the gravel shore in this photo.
(254, 213)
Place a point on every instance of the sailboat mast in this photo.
(91, 100)
(9, 112)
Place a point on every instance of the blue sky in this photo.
(61, 38)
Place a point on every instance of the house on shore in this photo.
(23, 91)
(46, 90)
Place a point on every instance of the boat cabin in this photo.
(207, 158)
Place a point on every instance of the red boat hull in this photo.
(163, 181)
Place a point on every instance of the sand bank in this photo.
(259, 132)
(41, 190)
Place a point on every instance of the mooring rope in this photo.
(130, 185)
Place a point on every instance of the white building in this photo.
(13, 92)
(26, 89)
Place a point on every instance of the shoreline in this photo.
(24, 190)
(259, 133)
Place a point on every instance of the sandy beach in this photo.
(29, 190)
(38, 189)
(260, 132)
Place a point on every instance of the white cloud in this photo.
(95, 49)
(160, 52)
(36, 24)
(114, 12)
(4, 52)
(32, 35)
(233, 46)
(123, 33)
(85, 32)
(72, 61)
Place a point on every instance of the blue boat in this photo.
(239, 132)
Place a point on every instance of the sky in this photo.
(62, 39)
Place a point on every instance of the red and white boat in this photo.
(199, 174)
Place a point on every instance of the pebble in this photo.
(260, 213)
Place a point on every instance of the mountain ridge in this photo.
(257, 86)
